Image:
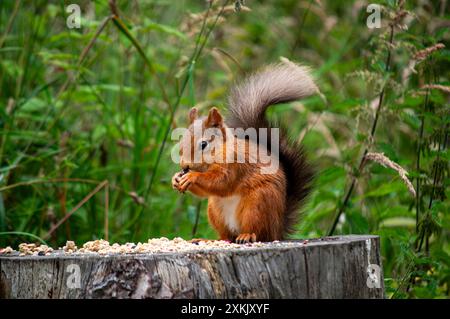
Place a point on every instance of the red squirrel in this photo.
(244, 204)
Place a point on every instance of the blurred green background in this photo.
(86, 105)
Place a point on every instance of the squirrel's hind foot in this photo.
(245, 238)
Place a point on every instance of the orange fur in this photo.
(260, 210)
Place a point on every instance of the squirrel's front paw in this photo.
(176, 180)
(185, 181)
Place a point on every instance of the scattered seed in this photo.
(7, 250)
(70, 247)
(153, 245)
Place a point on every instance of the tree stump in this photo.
(331, 267)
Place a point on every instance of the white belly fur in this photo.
(229, 206)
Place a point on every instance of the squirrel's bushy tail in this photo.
(248, 101)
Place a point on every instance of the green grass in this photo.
(82, 106)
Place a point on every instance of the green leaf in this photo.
(163, 28)
(399, 222)
(384, 189)
(34, 105)
(330, 174)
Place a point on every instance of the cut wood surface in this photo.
(331, 267)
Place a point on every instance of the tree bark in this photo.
(332, 267)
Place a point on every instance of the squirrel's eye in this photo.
(203, 144)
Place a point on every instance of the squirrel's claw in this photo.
(246, 238)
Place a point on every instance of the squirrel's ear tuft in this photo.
(193, 115)
(214, 118)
